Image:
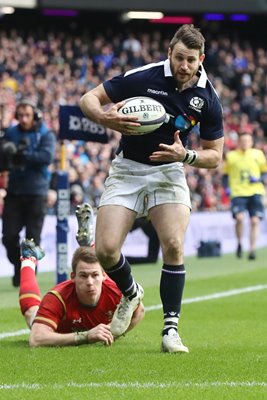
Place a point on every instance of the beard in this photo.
(181, 77)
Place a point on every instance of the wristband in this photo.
(190, 157)
(81, 337)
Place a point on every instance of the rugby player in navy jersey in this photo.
(147, 175)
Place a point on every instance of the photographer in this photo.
(30, 149)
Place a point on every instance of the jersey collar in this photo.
(202, 77)
(202, 81)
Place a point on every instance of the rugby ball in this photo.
(151, 113)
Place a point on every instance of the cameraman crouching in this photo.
(25, 204)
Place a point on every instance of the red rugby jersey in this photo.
(61, 310)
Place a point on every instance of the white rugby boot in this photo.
(172, 343)
(124, 312)
(85, 217)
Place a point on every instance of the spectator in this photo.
(25, 204)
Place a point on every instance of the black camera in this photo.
(12, 155)
(7, 150)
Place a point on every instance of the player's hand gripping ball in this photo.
(151, 113)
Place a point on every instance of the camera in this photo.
(7, 150)
(12, 155)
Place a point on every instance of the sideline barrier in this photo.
(203, 226)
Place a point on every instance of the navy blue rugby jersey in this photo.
(199, 103)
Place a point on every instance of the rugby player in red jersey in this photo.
(73, 312)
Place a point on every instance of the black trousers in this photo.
(22, 211)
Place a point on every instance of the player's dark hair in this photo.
(85, 254)
(190, 36)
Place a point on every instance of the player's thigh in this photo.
(255, 206)
(170, 221)
(112, 225)
(239, 206)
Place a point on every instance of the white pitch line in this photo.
(198, 299)
(129, 385)
(214, 296)
(15, 333)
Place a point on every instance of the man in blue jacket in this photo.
(29, 179)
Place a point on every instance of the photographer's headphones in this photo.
(37, 113)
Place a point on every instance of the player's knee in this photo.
(254, 221)
(239, 217)
(173, 248)
(107, 255)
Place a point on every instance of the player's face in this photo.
(184, 63)
(245, 142)
(88, 282)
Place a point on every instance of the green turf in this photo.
(226, 338)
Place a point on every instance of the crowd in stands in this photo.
(55, 68)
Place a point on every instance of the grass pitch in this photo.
(223, 322)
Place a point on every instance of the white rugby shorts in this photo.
(140, 187)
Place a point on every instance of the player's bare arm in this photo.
(92, 104)
(209, 156)
(43, 335)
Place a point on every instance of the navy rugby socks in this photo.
(171, 293)
(122, 276)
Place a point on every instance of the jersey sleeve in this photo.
(51, 311)
(116, 88)
(211, 126)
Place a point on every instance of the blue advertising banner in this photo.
(63, 211)
(73, 125)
